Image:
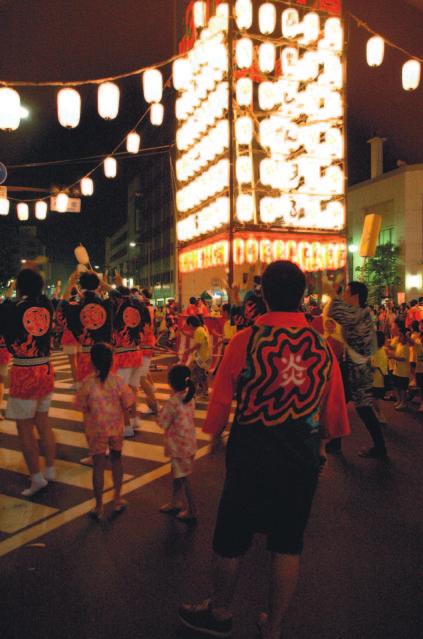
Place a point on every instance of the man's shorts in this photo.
(401, 383)
(131, 376)
(145, 366)
(27, 408)
(182, 467)
(100, 444)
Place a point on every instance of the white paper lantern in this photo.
(23, 211)
(152, 82)
(244, 91)
(244, 53)
(267, 95)
(87, 186)
(62, 201)
(133, 142)
(222, 12)
(334, 35)
(69, 108)
(4, 206)
(244, 130)
(200, 15)
(110, 167)
(375, 51)
(311, 27)
(244, 14)
(267, 57)
(41, 210)
(245, 208)
(156, 114)
(182, 74)
(10, 109)
(108, 97)
(267, 18)
(244, 170)
(290, 23)
(411, 71)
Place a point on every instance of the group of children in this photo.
(398, 367)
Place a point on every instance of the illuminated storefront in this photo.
(260, 139)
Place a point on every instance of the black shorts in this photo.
(419, 380)
(401, 383)
(270, 494)
(378, 393)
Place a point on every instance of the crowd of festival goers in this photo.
(286, 360)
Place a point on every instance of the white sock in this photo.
(37, 483)
(50, 473)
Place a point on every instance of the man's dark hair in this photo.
(413, 303)
(283, 286)
(134, 290)
(148, 294)
(89, 281)
(192, 300)
(360, 289)
(29, 283)
(420, 300)
(193, 321)
(226, 308)
(414, 326)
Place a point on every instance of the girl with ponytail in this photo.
(103, 398)
(177, 420)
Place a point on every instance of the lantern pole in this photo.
(231, 28)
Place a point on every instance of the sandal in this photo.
(185, 518)
(93, 514)
(119, 509)
(170, 509)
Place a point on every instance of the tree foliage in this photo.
(382, 272)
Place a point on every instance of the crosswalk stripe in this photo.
(16, 514)
(67, 472)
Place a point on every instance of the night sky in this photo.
(45, 40)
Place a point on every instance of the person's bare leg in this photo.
(73, 364)
(192, 508)
(99, 464)
(149, 394)
(225, 577)
(117, 474)
(47, 438)
(283, 584)
(29, 444)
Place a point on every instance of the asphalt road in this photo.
(361, 574)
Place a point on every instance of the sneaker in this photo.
(136, 423)
(50, 473)
(200, 617)
(149, 411)
(373, 453)
(36, 486)
(129, 432)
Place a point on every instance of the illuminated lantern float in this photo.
(285, 198)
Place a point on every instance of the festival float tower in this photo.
(260, 164)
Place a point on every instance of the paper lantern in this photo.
(152, 82)
(108, 97)
(244, 130)
(156, 114)
(290, 23)
(244, 91)
(375, 51)
(4, 206)
(411, 75)
(62, 201)
(334, 35)
(81, 255)
(244, 14)
(267, 95)
(23, 211)
(133, 142)
(182, 74)
(10, 109)
(222, 12)
(267, 57)
(244, 53)
(244, 170)
(110, 167)
(69, 108)
(200, 15)
(87, 186)
(311, 27)
(245, 208)
(267, 18)
(41, 210)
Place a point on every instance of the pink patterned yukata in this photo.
(103, 405)
(177, 421)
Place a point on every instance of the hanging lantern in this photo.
(244, 53)
(4, 206)
(244, 14)
(267, 57)
(375, 51)
(41, 210)
(87, 186)
(244, 91)
(156, 114)
(110, 167)
(182, 74)
(133, 142)
(290, 23)
(267, 18)
(334, 35)
(23, 211)
(244, 130)
(200, 15)
(108, 100)
(62, 201)
(10, 109)
(245, 208)
(244, 170)
(411, 75)
(69, 108)
(152, 82)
